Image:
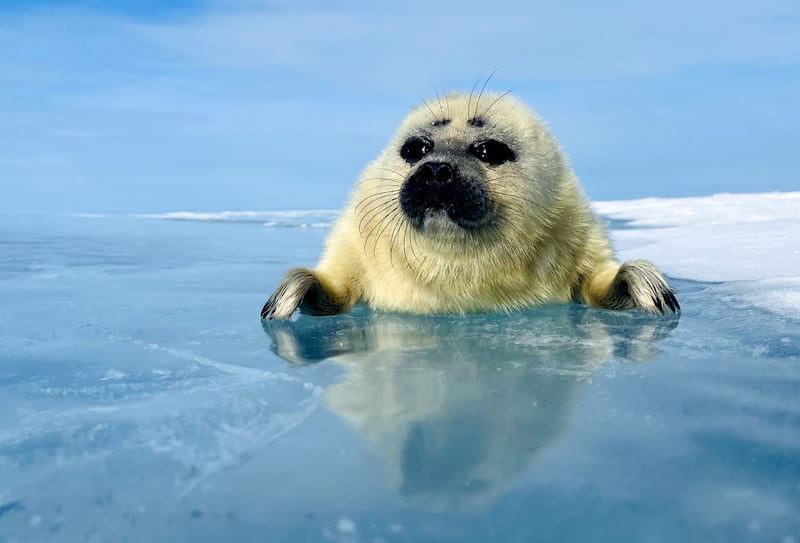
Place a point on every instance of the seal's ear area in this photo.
(300, 289)
(638, 283)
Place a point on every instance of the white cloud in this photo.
(354, 46)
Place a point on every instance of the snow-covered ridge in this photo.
(303, 218)
(750, 243)
(317, 218)
(716, 209)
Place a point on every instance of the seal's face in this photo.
(445, 186)
(463, 176)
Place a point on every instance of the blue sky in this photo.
(152, 106)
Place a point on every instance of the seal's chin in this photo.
(437, 222)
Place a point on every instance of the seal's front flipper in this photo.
(636, 284)
(302, 289)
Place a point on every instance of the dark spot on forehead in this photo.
(442, 122)
(476, 122)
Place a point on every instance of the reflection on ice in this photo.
(458, 408)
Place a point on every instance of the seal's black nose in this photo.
(439, 186)
(436, 173)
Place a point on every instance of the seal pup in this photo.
(472, 207)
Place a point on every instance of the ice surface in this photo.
(143, 401)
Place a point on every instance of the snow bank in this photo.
(749, 242)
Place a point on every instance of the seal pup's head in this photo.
(463, 173)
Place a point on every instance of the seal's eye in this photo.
(492, 152)
(415, 148)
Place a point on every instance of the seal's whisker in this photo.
(486, 111)
(386, 221)
(427, 105)
(411, 244)
(401, 175)
(480, 94)
(381, 209)
(439, 101)
(514, 200)
(513, 197)
(377, 199)
(374, 212)
(377, 206)
(469, 101)
(392, 181)
(469, 107)
(381, 192)
(405, 242)
(392, 243)
(373, 196)
(375, 226)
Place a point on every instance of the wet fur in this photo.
(541, 244)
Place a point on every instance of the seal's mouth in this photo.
(437, 196)
(435, 221)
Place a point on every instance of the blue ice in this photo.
(144, 401)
